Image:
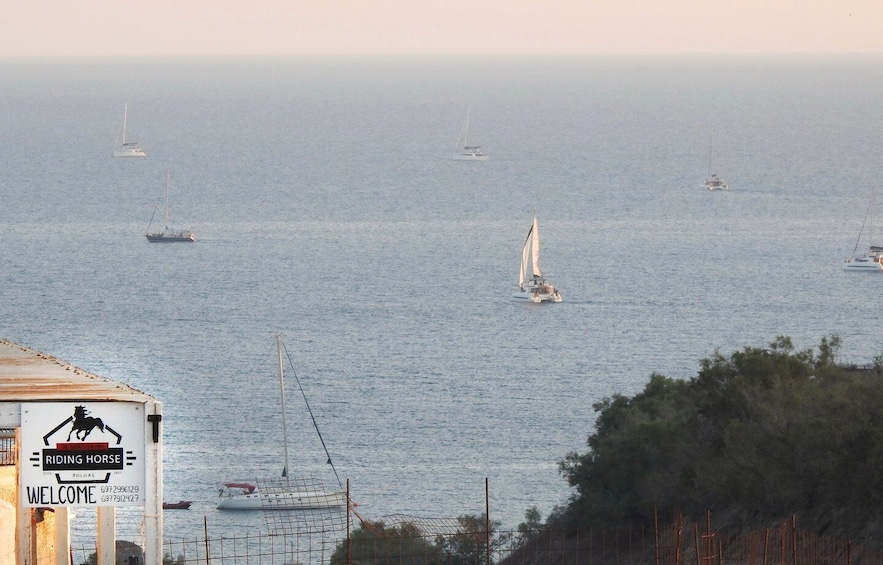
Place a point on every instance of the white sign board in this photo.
(82, 454)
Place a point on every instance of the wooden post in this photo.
(25, 538)
(105, 539)
(62, 536)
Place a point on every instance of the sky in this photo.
(188, 28)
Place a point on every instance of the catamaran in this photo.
(713, 182)
(465, 152)
(870, 261)
(128, 148)
(532, 285)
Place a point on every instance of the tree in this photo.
(373, 543)
(763, 432)
(531, 527)
(469, 546)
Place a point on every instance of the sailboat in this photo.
(128, 148)
(870, 261)
(302, 493)
(167, 235)
(713, 182)
(532, 285)
(465, 152)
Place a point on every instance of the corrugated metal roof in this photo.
(27, 375)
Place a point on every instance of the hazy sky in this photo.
(285, 27)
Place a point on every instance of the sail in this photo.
(525, 257)
(535, 249)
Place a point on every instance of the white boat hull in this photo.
(470, 157)
(130, 153)
(866, 264)
(537, 297)
(283, 501)
(714, 183)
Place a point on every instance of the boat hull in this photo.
(283, 501)
(537, 297)
(129, 153)
(470, 157)
(170, 238)
(864, 265)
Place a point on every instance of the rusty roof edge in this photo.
(101, 388)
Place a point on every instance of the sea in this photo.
(327, 209)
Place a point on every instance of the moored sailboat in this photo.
(167, 235)
(284, 493)
(532, 285)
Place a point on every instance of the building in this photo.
(69, 438)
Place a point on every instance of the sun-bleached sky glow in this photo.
(163, 28)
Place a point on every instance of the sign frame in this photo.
(84, 454)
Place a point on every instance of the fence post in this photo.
(487, 521)
(655, 536)
(205, 529)
(677, 536)
(349, 555)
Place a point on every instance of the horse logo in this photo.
(83, 424)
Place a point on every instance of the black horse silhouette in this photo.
(83, 424)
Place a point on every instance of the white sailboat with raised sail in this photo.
(302, 493)
(128, 148)
(532, 285)
(713, 182)
(463, 151)
(167, 235)
(870, 261)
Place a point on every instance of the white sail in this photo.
(535, 249)
(525, 258)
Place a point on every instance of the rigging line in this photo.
(310, 410)
(154, 214)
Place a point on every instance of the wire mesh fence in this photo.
(409, 540)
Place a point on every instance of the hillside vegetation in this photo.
(755, 437)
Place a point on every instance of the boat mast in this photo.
(710, 152)
(125, 115)
(466, 129)
(168, 177)
(282, 396)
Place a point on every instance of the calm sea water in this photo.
(327, 209)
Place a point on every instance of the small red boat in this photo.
(180, 505)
